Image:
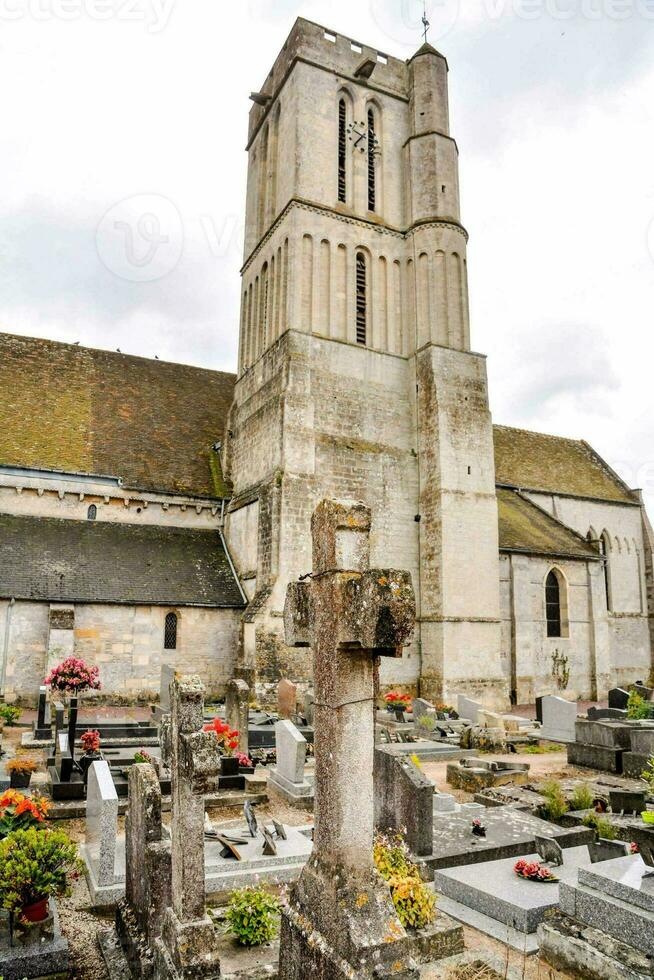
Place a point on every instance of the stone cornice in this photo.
(350, 219)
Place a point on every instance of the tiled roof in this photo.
(80, 410)
(526, 528)
(55, 560)
(535, 461)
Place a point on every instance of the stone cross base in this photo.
(337, 918)
(187, 950)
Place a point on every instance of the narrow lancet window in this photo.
(372, 142)
(553, 605)
(342, 157)
(361, 298)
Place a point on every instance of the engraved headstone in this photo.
(287, 776)
(549, 850)
(101, 824)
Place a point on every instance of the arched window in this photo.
(342, 151)
(92, 512)
(170, 631)
(553, 604)
(372, 144)
(361, 298)
(604, 549)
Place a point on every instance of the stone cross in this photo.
(237, 710)
(350, 615)
(140, 915)
(188, 946)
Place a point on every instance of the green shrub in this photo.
(602, 827)
(252, 916)
(428, 722)
(414, 903)
(638, 707)
(582, 797)
(648, 774)
(555, 804)
(9, 713)
(391, 857)
(35, 865)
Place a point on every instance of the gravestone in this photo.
(166, 676)
(99, 849)
(468, 709)
(618, 698)
(597, 714)
(140, 915)
(549, 850)
(340, 921)
(605, 850)
(625, 801)
(237, 710)
(188, 945)
(539, 709)
(422, 707)
(559, 718)
(286, 699)
(644, 691)
(42, 727)
(404, 800)
(287, 776)
(309, 701)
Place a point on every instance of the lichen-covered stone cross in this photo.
(350, 615)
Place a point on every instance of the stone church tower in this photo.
(355, 375)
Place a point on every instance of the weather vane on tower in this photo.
(425, 22)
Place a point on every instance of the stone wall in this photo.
(126, 643)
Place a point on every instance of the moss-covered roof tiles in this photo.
(64, 407)
(535, 461)
(527, 528)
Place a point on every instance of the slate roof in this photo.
(524, 527)
(53, 560)
(535, 461)
(64, 407)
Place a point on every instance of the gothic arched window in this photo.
(361, 298)
(342, 151)
(372, 183)
(170, 631)
(92, 512)
(553, 604)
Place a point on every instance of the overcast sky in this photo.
(115, 109)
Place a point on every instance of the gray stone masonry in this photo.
(404, 800)
(341, 922)
(139, 917)
(188, 946)
(237, 711)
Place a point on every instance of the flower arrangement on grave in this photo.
(252, 916)
(398, 702)
(91, 742)
(478, 828)
(18, 812)
(20, 772)
(73, 676)
(244, 761)
(414, 903)
(36, 866)
(227, 737)
(634, 848)
(533, 871)
(143, 756)
(446, 709)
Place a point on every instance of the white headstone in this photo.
(559, 717)
(101, 823)
(291, 751)
(468, 709)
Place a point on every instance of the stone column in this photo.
(341, 921)
(189, 944)
(237, 711)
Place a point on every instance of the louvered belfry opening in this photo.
(372, 195)
(342, 144)
(362, 298)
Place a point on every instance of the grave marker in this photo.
(559, 718)
(287, 777)
(340, 917)
(237, 711)
(99, 850)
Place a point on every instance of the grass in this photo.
(582, 797)
(555, 804)
(542, 748)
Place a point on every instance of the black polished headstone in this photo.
(618, 698)
(597, 714)
(625, 801)
(539, 710)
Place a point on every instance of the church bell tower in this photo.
(355, 375)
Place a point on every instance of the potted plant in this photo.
(245, 763)
(227, 744)
(91, 745)
(17, 812)
(20, 772)
(398, 703)
(34, 867)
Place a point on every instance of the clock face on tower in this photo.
(363, 138)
